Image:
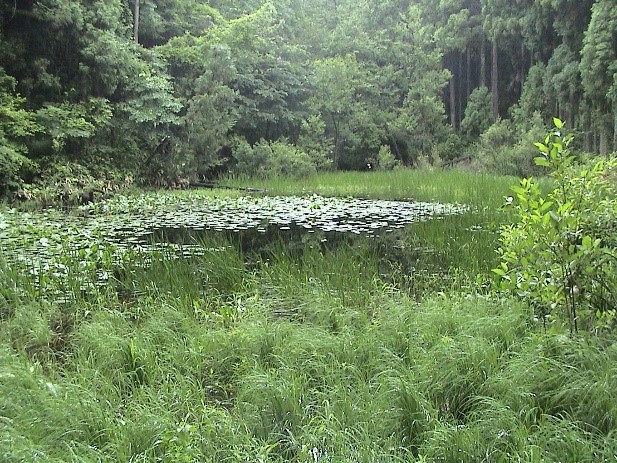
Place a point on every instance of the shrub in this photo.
(560, 254)
(313, 141)
(271, 159)
(386, 160)
(453, 147)
(16, 126)
(500, 151)
(290, 161)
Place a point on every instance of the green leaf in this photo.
(545, 206)
(541, 146)
(558, 122)
(541, 161)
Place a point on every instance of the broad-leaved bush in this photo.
(271, 159)
(560, 254)
(507, 149)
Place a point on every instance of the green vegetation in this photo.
(99, 95)
(448, 186)
(308, 357)
(560, 253)
(393, 349)
(363, 286)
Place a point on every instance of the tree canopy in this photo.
(170, 89)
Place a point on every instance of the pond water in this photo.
(98, 235)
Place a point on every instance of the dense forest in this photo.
(163, 92)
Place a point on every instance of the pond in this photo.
(99, 236)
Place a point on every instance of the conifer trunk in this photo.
(587, 132)
(460, 88)
(452, 103)
(494, 80)
(136, 22)
(468, 74)
(482, 62)
(523, 70)
(615, 129)
(603, 141)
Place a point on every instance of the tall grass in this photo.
(316, 358)
(315, 353)
(452, 186)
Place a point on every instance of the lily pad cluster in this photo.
(313, 213)
(100, 236)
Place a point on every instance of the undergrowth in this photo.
(306, 355)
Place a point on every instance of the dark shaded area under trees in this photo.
(100, 93)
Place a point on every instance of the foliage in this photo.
(309, 350)
(454, 146)
(598, 58)
(478, 115)
(338, 80)
(560, 255)
(210, 117)
(532, 96)
(385, 160)
(64, 123)
(505, 151)
(291, 359)
(314, 142)
(335, 80)
(16, 126)
(272, 159)
(430, 185)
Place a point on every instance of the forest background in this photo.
(98, 94)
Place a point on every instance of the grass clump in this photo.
(321, 352)
(448, 186)
(325, 361)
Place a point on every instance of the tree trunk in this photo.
(603, 124)
(603, 141)
(335, 141)
(460, 88)
(468, 74)
(452, 103)
(615, 129)
(523, 70)
(571, 110)
(585, 119)
(395, 144)
(136, 22)
(587, 131)
(494, 80)
(482, 62)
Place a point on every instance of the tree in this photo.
(562, 82)
(501, 20)
(16, 126)
(599, 65)
(335, 83)
(478, 114)
(560, 254)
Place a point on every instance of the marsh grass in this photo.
(313, 353)
(451, 186)
(452, 378)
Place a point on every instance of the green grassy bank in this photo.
(453, 186)
(305, 355)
